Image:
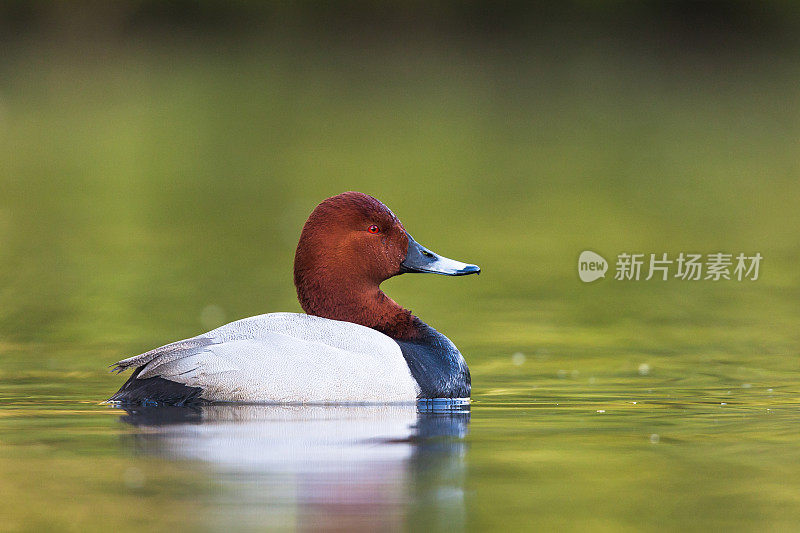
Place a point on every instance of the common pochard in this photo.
(355, 344)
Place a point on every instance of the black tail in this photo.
(156, 391)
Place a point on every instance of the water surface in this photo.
(149, 195)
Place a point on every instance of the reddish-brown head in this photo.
(353, 237)
(350, 244)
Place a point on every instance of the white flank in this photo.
(286, 358)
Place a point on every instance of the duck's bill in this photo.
(420, 259)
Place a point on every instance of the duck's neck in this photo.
(366, 305)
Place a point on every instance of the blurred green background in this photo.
(158, 160)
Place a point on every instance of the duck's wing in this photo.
(279, 357)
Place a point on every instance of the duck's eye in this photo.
(374, 229)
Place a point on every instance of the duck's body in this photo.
(361, 347)
(296, 358)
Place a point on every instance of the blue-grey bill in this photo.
(420, 259)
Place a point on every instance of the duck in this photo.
(352, 344)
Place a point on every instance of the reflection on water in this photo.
(342, 467)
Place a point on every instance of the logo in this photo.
(684, 266)
(591, 266)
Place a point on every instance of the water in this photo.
(311, 467)
(149, 195)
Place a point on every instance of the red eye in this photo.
(374, 229)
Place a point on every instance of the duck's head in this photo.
(350, 244)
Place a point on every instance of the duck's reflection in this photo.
(340, 467)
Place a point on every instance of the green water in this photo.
(149, 195)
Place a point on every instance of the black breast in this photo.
(436, 365)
